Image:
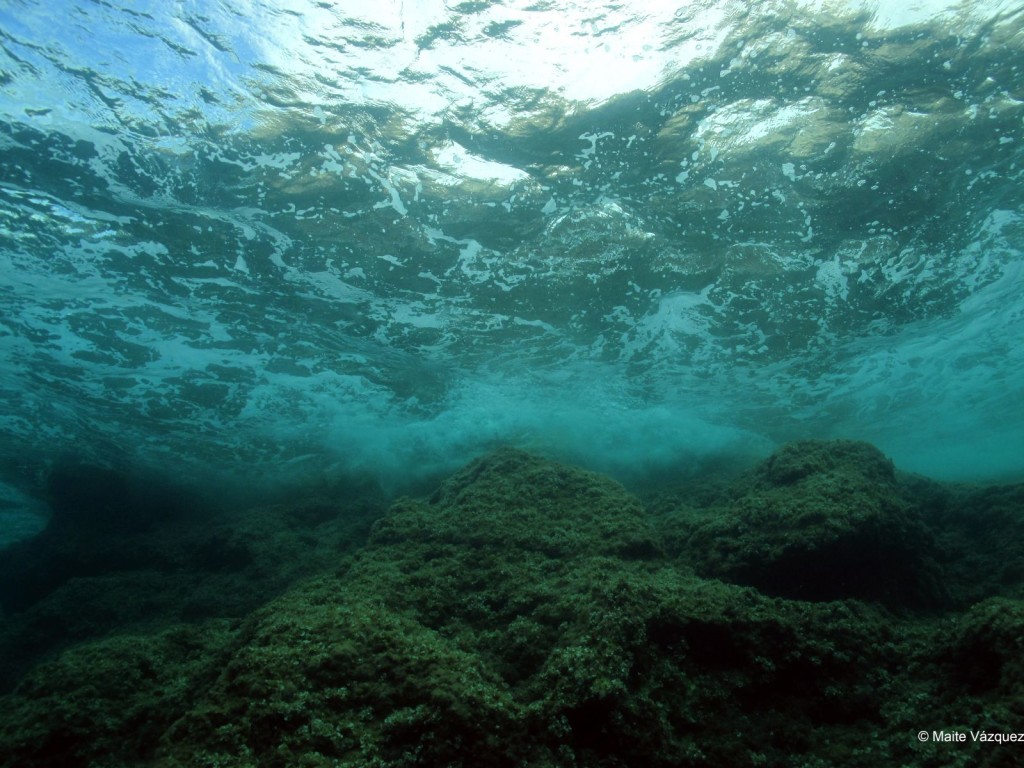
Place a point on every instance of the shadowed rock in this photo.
(823, 520)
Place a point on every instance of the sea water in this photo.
(284, 240)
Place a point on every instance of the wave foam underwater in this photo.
(294, 239)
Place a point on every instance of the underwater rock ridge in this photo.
(533, 613)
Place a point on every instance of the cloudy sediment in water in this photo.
(305, 237)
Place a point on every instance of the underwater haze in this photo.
(291, 238)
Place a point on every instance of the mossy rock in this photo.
(644, 668)
(526, 614)
(108, 702)
(979, 530)
(502, 623)
(65, 586)
(804, 459)
(986, 650)
(513, 499)
(336, 679)
(823, 520)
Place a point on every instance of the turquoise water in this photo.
(288, 240)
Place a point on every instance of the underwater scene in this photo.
(511, 383)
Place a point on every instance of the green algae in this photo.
(823, 521)
(74, 583)
(109, 701)
(533, 614)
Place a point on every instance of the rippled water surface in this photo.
(299, 237)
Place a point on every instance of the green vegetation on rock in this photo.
(534, 614)
(823, 521)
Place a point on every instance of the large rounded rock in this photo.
(511, 500)
(822, 520)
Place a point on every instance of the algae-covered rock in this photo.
(986, 650)
(323, 677)
(629, 667)
(516, 500)
(966, 678)
(75, 582)
(979, 531)
(526, 614)
(795, 462)
(108, 702)
(442, 641)
(823, 520)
